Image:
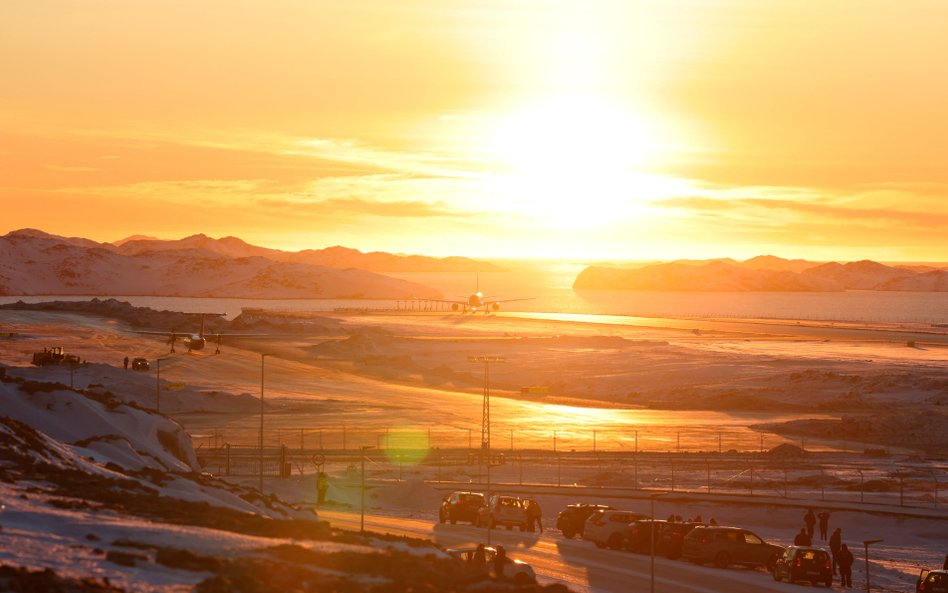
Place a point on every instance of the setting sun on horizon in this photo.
(592, 130)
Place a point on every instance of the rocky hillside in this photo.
(763, 273)
(33, 263)
(102, 496)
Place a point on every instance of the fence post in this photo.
(227, 459)
(559, 464)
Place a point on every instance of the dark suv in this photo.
(572, 519)
(670, 541)
(932, 581)
(636, 535)
(801, 563)
(729, 545)
(140, 364)
(460, 506)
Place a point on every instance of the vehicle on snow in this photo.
(460, 506)
(606, 528)
(572, 520)
(503, 510)
(670, 541)
(805, 563)
(725, 546)
(518, 571)
(636, 535)
(932, 581)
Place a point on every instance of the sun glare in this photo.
(572, 162)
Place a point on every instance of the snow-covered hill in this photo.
(33, 262)
(763, 273)
(97, 495)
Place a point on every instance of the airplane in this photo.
(478, 302)
(199, 340)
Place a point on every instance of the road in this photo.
(575, 563)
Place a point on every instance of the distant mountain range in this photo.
(764, 273)
(332, 257)
(33, 262)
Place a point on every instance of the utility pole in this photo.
(158, 384)
(485, 418)
(260, 485)
(868, 543)
(362, 498)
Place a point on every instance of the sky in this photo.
(597, 129)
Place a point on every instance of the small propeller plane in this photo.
(199, 340)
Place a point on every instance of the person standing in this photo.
(809, 519)
(500, 560)
(534, 516)
(835, 541)
(802, 538)
(945, 565)
(125, 362)
(322, 485)
(479, 558)
(824, 518)
(845, 566)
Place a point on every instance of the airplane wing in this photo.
(490, 301)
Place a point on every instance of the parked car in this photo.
(140, 364)
(804, 563)
(932, 581)
(636, 535)
(606, 528)
(517, 571)
(729, 545)
(503, 510)
(670, 541)
(460, 506)
(572, 519)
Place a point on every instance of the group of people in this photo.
(696, 519)
(842, 557)
(479, 559)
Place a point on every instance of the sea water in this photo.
(548, 288)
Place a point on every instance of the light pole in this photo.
(262, 358)
(868, 543)
(158, 384)
(485, 419)
(651, 534)
(362, 503)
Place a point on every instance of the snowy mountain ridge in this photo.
(33, 262)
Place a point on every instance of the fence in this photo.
(824, 476)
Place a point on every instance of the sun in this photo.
(573, 161)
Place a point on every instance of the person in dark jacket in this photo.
(802, 538)
(534, 515)
(125, 362)
(824, 518)
(945, 565)
(809, 519)
(500, 560)
(322, 485)
(836, 541)
(845, 566)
